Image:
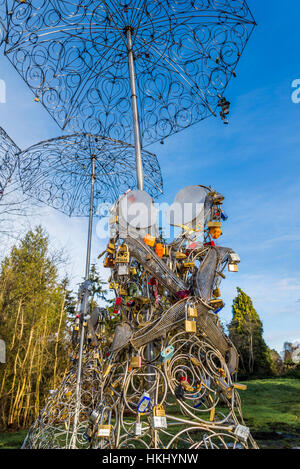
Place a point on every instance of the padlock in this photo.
(233, 267)
(216, 292)
(159, 250)
(113, 286)
(104, 431)
(167, 354)
(242, 432)
(192, 312)
(190, 324)
(144, 300)
(135, 362)
(144, 403)
(216, 303)
(122, 256)
(123, 291)
(123, 269)
(188, 265)
(149, 240)
(180, 255)
(159, 411)
(233, 258)
(133, 271)
(138, 426)
(117, 305)
(109, 262)
(159, 419)
(167, 251)
(111, 247)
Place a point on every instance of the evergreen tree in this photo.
(246, 332)
(33, 317)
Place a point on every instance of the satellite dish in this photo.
(137, 209)
(188, 206)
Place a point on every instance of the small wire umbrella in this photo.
(134, 70)
(74, 174)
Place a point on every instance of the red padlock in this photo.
(117, 305)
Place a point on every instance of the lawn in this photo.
(271, 408)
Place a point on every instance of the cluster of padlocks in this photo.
(164, 377)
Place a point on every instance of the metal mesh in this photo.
(155, 266)
(209, 266)
(123, 333)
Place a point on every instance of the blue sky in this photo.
(254, 162)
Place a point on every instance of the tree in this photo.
(246, 332)
(33, 318)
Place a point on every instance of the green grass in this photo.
(272, 405)
(269, 406)
(11, 440)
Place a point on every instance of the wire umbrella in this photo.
(133, 70)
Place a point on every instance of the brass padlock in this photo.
(190, 326)
(189, 323)
(123, 291)
(159, 411)
(192, 312)
(233, 267)
(136, 362)
(180, 255)
(111, 247)
(216, 292)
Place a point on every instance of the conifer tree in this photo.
(246, 332)
(33, 317)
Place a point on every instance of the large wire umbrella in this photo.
(91, 63)
(8, 150)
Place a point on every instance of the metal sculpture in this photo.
(8, 160)
(184, 395)
(139, 72)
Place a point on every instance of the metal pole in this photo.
(84, 306)
(136, 126)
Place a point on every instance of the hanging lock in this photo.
(122, 255)
(138, 426)
(123, 291)
(159, 419)
(167, 354)
(233, 267)
(190, 323)
(144, 403)
(188, 265)
(111, 247)
(104, 431)
(109, 262)
(136, 362)
(123, 269)
(242, 432)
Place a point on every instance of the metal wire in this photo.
(74, 57)
(58, 171)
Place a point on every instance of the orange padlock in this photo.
(159, 249)
(149, 240)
